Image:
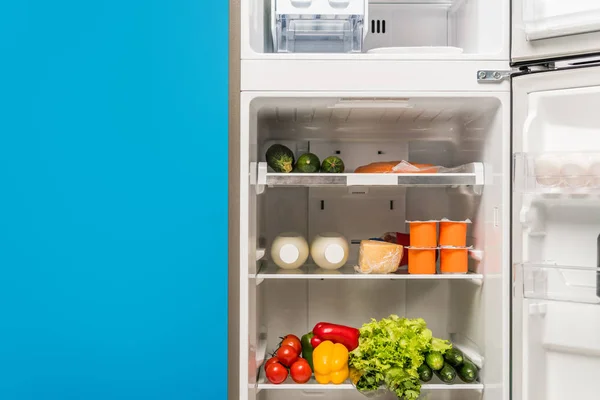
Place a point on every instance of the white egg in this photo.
(547, 170)
(574, 170)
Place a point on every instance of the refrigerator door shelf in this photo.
(557, 172)
(548, 281)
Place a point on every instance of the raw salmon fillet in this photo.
(387, 167)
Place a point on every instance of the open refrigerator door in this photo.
(554, 29)
(556, 228)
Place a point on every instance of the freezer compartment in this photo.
(549, 281)
(391, 28)
(319, 34)
(557, 172)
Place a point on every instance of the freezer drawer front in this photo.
(551, 29)
(556, 223)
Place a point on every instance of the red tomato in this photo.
(271, 361)
(300, 371)
(293, 341)
(287, 355)
(276, 373)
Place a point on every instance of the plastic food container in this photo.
(289, 250)
(454, 260)
(453, 233)
(421, 261)
(329, 250)
(423, 233)
(318, 26)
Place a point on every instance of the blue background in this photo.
(113, 199)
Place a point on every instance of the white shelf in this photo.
(348, 272)
(467, 175)
(289, 384)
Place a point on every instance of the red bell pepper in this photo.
(345, 335)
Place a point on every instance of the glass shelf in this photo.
(289, 384)
(348, 272)
(466, 175)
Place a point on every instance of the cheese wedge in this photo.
(377, 257)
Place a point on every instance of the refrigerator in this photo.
(506, 93)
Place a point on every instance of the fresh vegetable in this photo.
(315, 341)
(307, 349)
(425, 373)
(300, 371)
(333, 165)
(270, 361)
(287, 355)
(276, 373)
(308, 162)
(467, 372)
(280, 158)
(447, 374)
(435, 360)
(345, 335)
(292, 341)
(389, 353)
(454, 357)
(331, 363)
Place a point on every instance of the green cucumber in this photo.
(454, 357)
(332, 164)
(280, 158)
(425, 373)
(308, 163)
(435, 360)
(468, 372)
(447, 374)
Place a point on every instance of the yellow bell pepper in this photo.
(331, 363)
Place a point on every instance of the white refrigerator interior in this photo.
(450, 129)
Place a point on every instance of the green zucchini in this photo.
(447, 374)
(280, 158)
(454, 357)
(332, 164)
(308, 162)
(425, 373)
(468, 372)
(435, 360)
